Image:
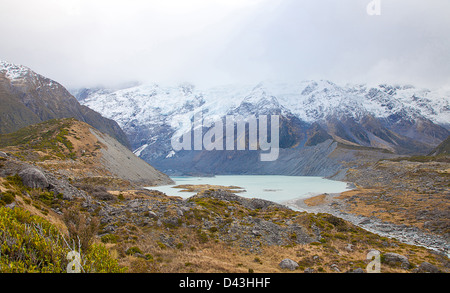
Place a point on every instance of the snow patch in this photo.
(13, 71)
(138, 151)
(151, 106)
(171, 154)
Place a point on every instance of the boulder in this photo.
(356, 271)
(288, 264)
(348, 247)
(34, 178)
(335, 268)
(152, 215)
(426, 267)
(396, 259)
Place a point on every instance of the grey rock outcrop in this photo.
(396, 259)
(288, 264)
(356, 271)
(426, 267)
(33, 178)
(250, 203)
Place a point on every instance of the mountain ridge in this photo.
(77, 150)
(28, 98)
(400, 119)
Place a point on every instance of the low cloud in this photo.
(90, 43)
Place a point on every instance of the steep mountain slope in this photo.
(385, 119)
(27, 98)
(77, 150)
(442, 149)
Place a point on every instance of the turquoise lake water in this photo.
(274, 188)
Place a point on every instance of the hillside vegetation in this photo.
(442, 149)
(49, 209)
(35, 239)
(75, 149)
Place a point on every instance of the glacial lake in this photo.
(278, 189)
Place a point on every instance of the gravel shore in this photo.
(406, 234)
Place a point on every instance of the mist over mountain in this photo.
(322, 124)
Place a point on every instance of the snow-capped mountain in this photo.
(27, 97)
(400, 119)
(21, 75)
(308, 100)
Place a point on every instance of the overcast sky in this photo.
(86, 43)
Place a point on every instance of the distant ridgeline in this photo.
(321, 126)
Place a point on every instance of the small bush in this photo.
(15, 180)
(30, 244)
(109, 238)
(203, 238)
(7, 197)
(47, 197)
(161, 245)
(82, 228)
(133, 250)
(338, 223)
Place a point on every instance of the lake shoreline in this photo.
(332, 204)
(275, 188)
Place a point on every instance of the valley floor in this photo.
(409, 201)
(216, 231)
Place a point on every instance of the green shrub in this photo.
(47, 197)
(109, 238)
(99, 260)
(82, 228)
(15, 179)
(338, 223)
(30, 244)
(203, 238)
(133, 250)
(161, 245)
(7, 197)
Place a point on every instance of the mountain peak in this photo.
(13, 71)
(28, 98)
(393, 118)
